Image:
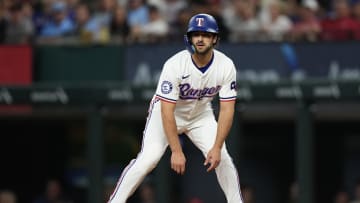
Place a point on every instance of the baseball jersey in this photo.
(181, 82)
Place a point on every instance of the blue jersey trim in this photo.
(206, 67)
(228, 98)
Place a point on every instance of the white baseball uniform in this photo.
(181, 82)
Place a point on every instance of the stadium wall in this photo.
(297, 117)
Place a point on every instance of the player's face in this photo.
(203, 42)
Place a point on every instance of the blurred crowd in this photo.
(54, 192)
(154, 21)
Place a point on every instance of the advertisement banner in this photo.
(258, 62)
(15, 65)
(74, 63)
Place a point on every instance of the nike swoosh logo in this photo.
(185, 76)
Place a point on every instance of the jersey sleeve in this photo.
(168, 85)
(228, 90)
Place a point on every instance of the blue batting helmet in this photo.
(203, 22)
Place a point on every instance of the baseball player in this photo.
(182, 104)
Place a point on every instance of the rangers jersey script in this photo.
(182, 82)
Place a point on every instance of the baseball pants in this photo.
(201, 131)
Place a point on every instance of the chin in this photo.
(203, 51)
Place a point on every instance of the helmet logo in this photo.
(200, 22)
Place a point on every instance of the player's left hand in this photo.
(213, 158)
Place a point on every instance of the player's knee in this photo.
(149, 162)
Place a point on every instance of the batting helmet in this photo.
(200, 23)
(203, 22)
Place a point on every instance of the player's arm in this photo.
(225, 119)
(227, 108)
(168, 119)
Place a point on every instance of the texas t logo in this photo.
(200, 22)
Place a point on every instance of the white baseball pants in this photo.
(202, 133)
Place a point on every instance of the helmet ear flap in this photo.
(189, 46)
(217, 40)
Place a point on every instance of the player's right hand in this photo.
(178, 161)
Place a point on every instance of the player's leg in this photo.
(153, 147)
(203, 134)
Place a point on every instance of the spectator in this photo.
(108, 189)
(290, 9)
(103, 14)
(7, 196)
(341, 25)
(147, 193)
(195, 200)
(242, 21)
(137, 16)
(170, 9)
(119, 27)
(7, 4)
(275, 25)
(180, 24)
(356, 10)
(60, 25)
(71, 9)
(53, 193)
(156, 30)
(341, 197)
(102, 17)
(86, 29)
(356, 198)
(19, 29)
(215, 8)
(42, 15)
(293, 193)
(28, 13)
(308, 27)
(356, 14)
(248, 193)
(138, 13)
(3, 22)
